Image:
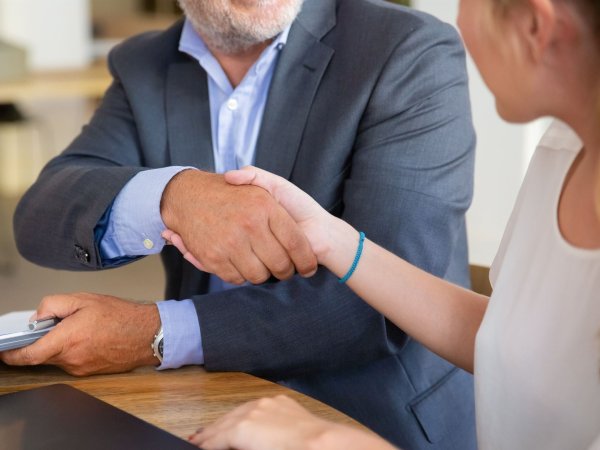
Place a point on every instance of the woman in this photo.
(535, 347)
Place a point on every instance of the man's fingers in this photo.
(251, 268)
(60, 306)
(294, 241)
(245, 267)
(276, 259)
(228, 273)
(40, 352)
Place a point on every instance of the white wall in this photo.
(503, 152)
(56, 33)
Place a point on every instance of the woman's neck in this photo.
(579, 210)
(587, 126)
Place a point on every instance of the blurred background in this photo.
(52, 75)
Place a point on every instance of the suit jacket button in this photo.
(81, 254)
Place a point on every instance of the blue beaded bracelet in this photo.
(361, 241)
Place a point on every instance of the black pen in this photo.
(42, 324)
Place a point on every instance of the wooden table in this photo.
(178, 401)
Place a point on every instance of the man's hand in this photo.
(97, 334)
(237, 232)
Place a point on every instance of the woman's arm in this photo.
(442, 316)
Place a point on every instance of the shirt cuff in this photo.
(182, 341)
(135, 224)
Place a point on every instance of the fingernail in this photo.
(310, 274)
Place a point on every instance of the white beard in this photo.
(232, 29)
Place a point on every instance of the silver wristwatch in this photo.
(157, 344)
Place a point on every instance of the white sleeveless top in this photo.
(537, 356)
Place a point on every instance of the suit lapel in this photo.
(299, 71)
(188, 115)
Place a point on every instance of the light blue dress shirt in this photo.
(134, 222)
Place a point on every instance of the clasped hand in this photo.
(257, 233)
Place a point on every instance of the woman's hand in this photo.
(307, 213)
(265, 424)
(173, 238)
(281, 424)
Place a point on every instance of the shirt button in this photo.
(148, 244)
(232, 104)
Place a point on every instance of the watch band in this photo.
(157, 344)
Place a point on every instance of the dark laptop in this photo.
(60, 417)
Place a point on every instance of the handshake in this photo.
(245, 226)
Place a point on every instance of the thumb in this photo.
(257, 177)
(295, 201)
(59, 306)
(241, 176)
(277, 186)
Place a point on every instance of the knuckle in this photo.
(232, 241)
(246, 422)
(251, 222)
(263, 403)
(295, 242)
(258, 277)
(79, 373)
(76, 371)
(237, 280)
(30, 358)
(307, 266)
(282, 268)
(232, 278)
(212, 257)
(45, 302)
(253, 416)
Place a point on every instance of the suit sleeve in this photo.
(409, 187)
(54, 222)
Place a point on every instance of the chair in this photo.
(480, 279)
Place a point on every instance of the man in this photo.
(360, 103)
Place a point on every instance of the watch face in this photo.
(160, 347)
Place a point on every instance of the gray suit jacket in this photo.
(369, 113)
